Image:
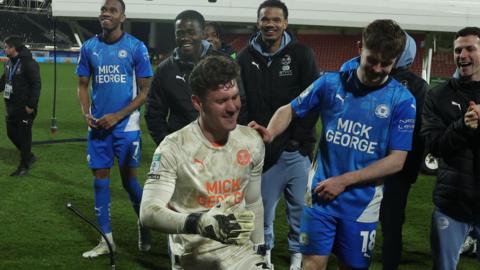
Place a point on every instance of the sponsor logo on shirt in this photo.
(352, 134)
(406, 125)
(218, 190)
(110, 74)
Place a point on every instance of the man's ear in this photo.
(124, 17)
(197, 103)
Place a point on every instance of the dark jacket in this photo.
(457, 190)
(418, 87)
(169, 106)
(26, 85)
(269, 86)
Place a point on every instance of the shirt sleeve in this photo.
(309, 99)
(159, 189)
(143, 68)
(83, 67)
(253, 197)
(402, 125)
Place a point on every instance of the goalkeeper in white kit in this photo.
(203, 188)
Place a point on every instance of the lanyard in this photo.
(12, 70)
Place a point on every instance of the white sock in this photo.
(296, 260)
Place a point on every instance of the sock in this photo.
(296, 260)
(102, 204)
(134, 193)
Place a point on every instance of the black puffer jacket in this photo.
(457, 191)
(270, 86)
(26, 85)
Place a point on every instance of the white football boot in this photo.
(101, 248)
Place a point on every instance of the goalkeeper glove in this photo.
(225, 223)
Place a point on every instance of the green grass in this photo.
(38, 232)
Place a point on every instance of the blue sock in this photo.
(102, 203)
(134, 193)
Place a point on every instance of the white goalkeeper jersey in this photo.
(200, 175)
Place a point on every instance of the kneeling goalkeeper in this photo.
(203, 188)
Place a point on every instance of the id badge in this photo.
(7, 91)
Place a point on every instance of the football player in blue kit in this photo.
(120, 69)
(368, 120)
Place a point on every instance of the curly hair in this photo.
(212, 72)
(274, 4)
(385, 37)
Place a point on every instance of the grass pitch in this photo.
(38, 232)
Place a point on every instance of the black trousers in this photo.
(392, 217)
(19, 131)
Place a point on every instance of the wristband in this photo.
(191, 223)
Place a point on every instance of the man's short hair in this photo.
(468, 31)
(15, 41)
(192, 15)
(273, 3)
(218, 29)
(211, 72)
(385, 37)
(122, 4)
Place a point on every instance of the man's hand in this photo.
(266, 136)
(91, 121)
(29, 110)
(108, 120)
(226, 223)
(330, 188)
(472, 115)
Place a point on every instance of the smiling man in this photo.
(450, 126)
(368, 120)
(120, 69)
(275, 69)
(203, 188)
(168, 105)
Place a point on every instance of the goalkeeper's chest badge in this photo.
(243, 157)
(304, 239)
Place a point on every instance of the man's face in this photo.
(466, 53)
(220, 107)
(111, 15)
(9, 51)
(272, 23)
(188, 36)
(211, 36)
(374, 69)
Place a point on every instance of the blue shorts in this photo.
(104, 145)
(352, 242)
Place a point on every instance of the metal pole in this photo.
(53, 126)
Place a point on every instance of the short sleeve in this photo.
(83, 66)
(402, 125)
(143, 68)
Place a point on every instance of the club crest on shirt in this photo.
(122, 53)
(286, 69)
(243, 157)
(382, 111)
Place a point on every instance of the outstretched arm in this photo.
(279, 122)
